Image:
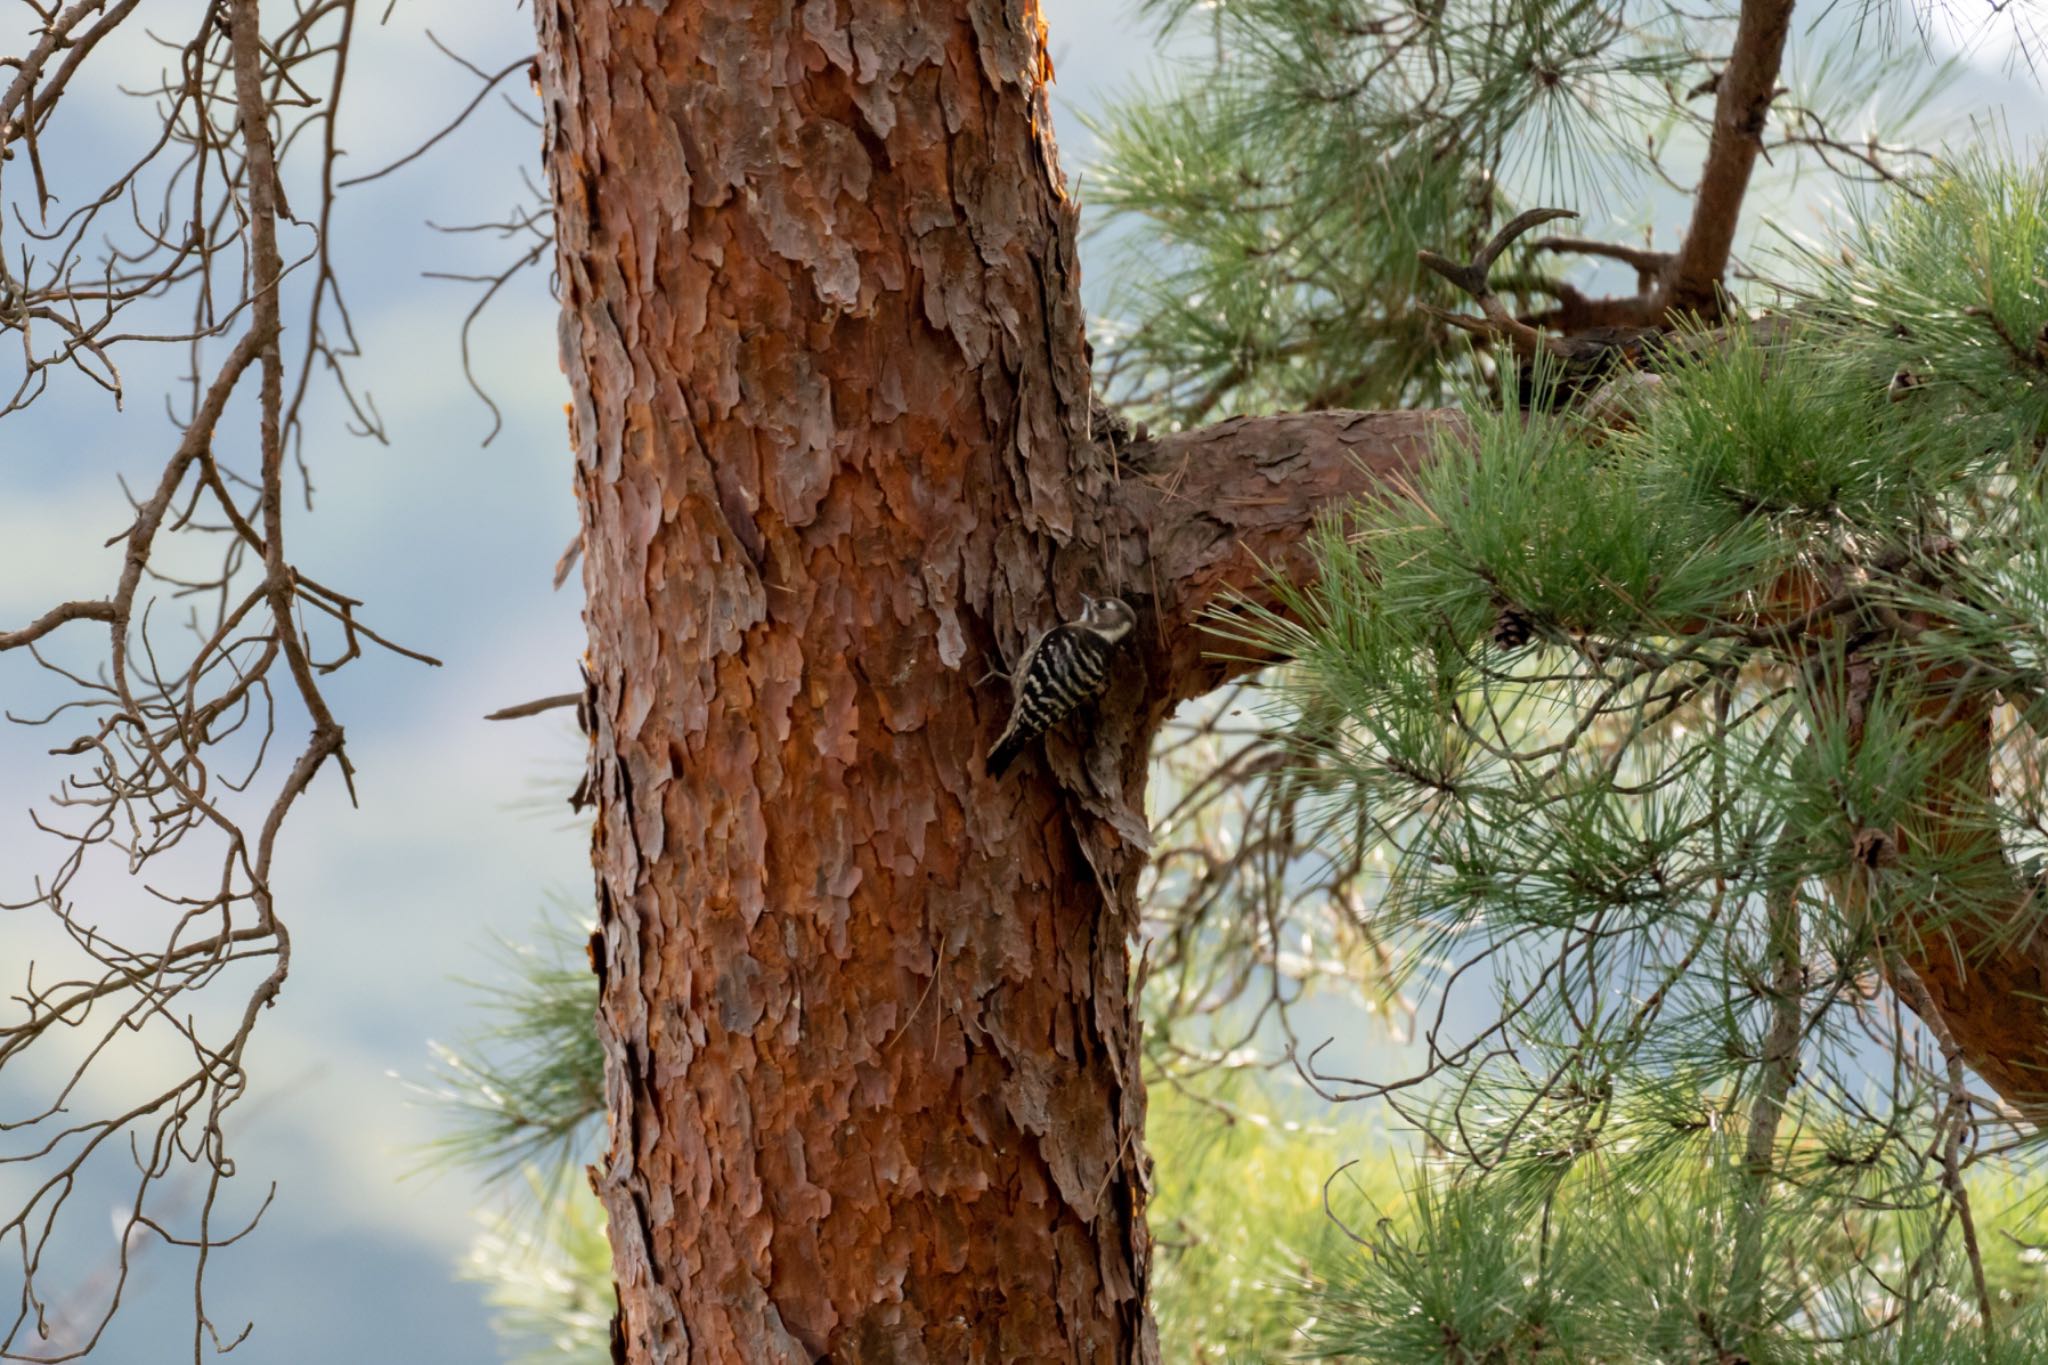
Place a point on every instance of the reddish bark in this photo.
(1207, 516)
(1975, 951)
(871, 1056)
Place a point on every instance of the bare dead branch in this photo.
(176, 720)
(490, 83)
(1471, 278)
(534, 708)
(55, 617)
(570, 554)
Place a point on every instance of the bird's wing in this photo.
(1022, 668)
(1018, 673)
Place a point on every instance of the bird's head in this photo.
(1107, 617)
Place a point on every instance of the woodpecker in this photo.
(1062, 668)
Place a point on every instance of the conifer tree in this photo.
(1656, 664)
(1686, 691)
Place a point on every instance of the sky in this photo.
(450, 543)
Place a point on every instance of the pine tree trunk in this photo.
(871, 1057)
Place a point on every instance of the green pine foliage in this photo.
(1280, 1236)
(1238, 1215)
(1295, 181)
(1263, 205)
(1627, 1269)
(522, 1096)
(525, 1089)
(1680, 811)
(550, 1280)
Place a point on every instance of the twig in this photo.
(1471, 278)
(536, 707)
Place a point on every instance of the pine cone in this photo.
(1514, 627)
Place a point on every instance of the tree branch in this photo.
(1205, 516)
(1471, 279)
(536, 707)
(1742, 105)
(1648, 264)
(99, 610)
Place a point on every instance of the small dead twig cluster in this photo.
(1245, 912)
(529, 227)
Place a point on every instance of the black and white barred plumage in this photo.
(1063, 668)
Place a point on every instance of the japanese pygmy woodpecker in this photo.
(1061, 669)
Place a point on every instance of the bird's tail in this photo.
(1007, 748)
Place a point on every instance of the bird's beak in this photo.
(1087, 601)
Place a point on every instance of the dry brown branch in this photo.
(536, 707)
(1648, 264)
(1868, 161)
(1471, 278)
(1235, 934)
(166, 770)
(55, 617)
